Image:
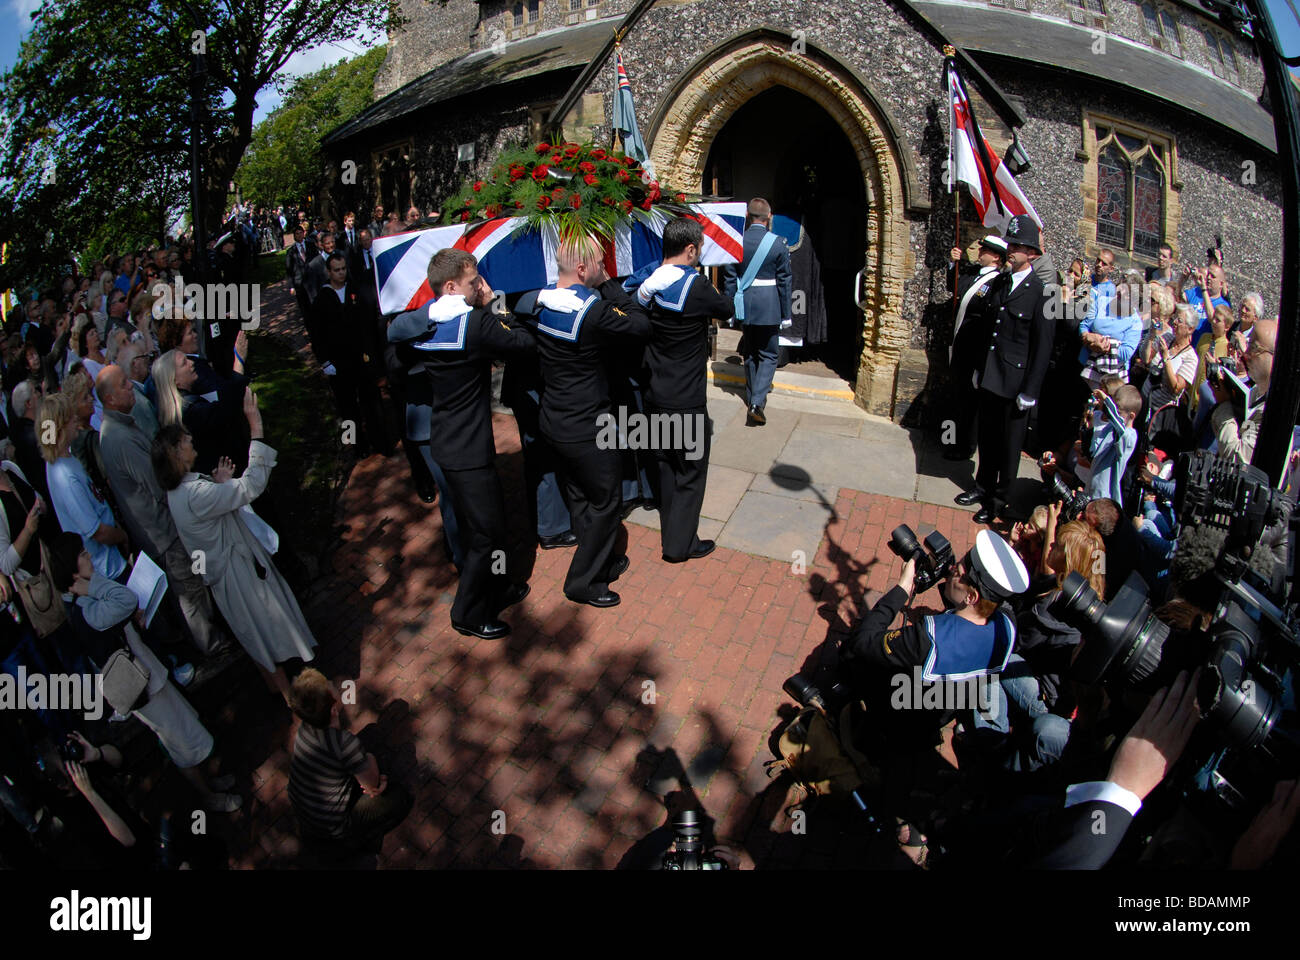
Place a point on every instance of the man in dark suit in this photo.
(760, 288)
(361, 276)
(462, 336)
(348, 240)
(1011, 377)
(682, 305)
(376, 225)
(296, 260)
(317, 269)
(578, 330)
(336, 342)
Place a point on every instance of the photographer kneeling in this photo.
(949, 653)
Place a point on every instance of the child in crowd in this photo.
(1113, 441)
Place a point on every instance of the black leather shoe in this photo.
(488, 631)
(985, 515)
(973, 495)
(757, 416)
(618, 569)
(705, 548)
(566, 539)
(514, 593)
(428, 492)
(607, 599)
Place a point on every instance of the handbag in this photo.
(125, 681)
(42, 603)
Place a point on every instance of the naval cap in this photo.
(995, 568)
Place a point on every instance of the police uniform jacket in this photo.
(575, 351)
(767, 299)
(678, 353)
(1020, 338)
(458, 352)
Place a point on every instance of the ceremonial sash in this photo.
(980, 283)
(751, 272)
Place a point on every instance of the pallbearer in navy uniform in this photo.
(577, 331)
(463, 337)
(521, 391)
(760, 289)
(1011, 375)
(682, 304)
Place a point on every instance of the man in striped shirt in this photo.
(335, 786)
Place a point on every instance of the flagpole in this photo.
(956, 269)
(950, 51)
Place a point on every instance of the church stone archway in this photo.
(700, 104)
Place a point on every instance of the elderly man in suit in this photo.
(760, 289)
(1018, 333)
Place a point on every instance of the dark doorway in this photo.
(784, 146)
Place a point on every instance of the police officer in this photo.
(462, 337)
(682, 305)
(759, 287)
(969, 338)
(973, 640)
(578, 329)
(1011, 375)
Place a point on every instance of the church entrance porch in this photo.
(757, 119)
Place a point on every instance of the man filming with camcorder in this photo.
(945, 654)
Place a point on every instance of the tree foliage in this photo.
(283, 163)
(96, 111)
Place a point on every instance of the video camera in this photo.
(932, 563)
(1250, 653)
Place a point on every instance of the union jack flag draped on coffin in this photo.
(513, 260)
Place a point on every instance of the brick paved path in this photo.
(556, 747)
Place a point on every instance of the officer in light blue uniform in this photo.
(760, 287)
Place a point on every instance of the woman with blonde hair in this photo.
(79, 505)
(217, 426)
(1034, 680)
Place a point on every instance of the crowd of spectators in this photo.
(1144, 369)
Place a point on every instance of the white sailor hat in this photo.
(994, 242)
(995, 569)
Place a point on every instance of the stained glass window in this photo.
(1148, 213)
(1133, 173)
(1112, 198)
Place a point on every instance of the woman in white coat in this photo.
(208, 511)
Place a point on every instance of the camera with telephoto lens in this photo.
(1213, 370)
(1248, 657)
(932, 563)
(688, 851)
(1072, 501)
